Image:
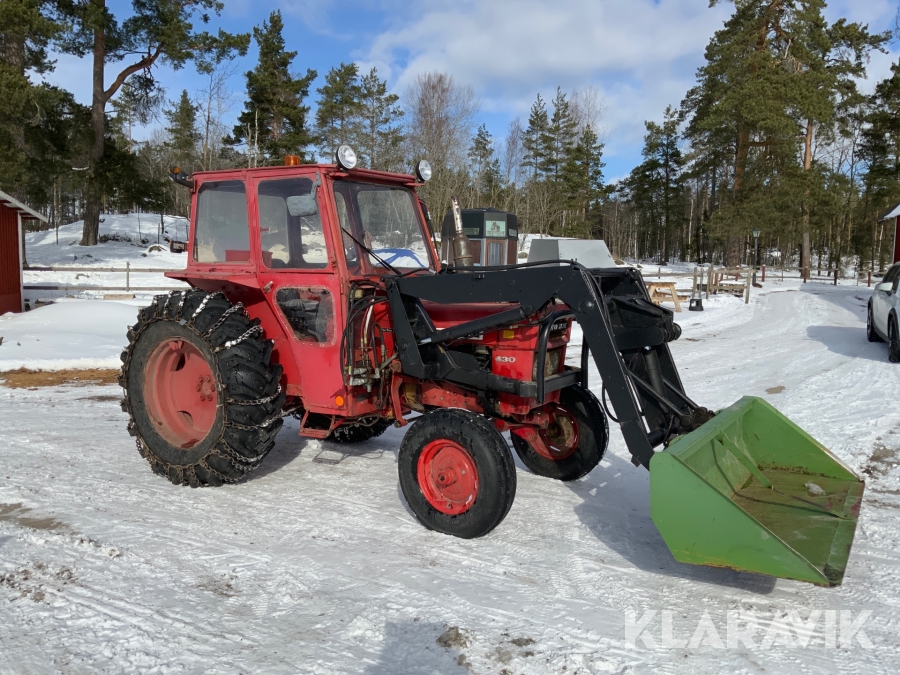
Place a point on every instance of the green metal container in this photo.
(752, 491)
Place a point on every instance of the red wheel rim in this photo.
(447, 477)
(561, 436)
(180, 392)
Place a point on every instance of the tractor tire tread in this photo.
(248, 384)
(593, 433)
(359, 433)
(494, 462)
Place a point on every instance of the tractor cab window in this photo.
(290, 228)
(221, 232)
(309, 311)
(384, 220)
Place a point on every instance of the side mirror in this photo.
(885, 286)
(302, 205)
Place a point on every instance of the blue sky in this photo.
(641, 55)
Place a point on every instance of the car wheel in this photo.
(893, 341)
(870, 328)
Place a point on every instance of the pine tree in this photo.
(774, 74)
(339, 109)
(25, 32)
(379, 132)
(827, 60)
(155, 29)
(184, 136)
(561, 135)
(656, 184)
(881, 139)
(138, 103)
(742, 89)
(484, 167)
(583, 180)
(274, 120)
(537, 139)
(880, 151)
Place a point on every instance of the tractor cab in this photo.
(303, 218)
(291, 243)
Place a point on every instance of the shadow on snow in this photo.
(616, 510)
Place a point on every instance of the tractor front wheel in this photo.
(456, 473)
(203, 400)
(575, 441)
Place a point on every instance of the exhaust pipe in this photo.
(462, 257)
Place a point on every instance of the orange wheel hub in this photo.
(447, 477)
(180, 391)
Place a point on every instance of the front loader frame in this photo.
(624, 331)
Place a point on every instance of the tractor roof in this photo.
(328, 169)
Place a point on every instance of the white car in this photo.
(884, 308)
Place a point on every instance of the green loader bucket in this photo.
(752, 491)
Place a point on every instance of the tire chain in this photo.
(258, 401)
(242, 464)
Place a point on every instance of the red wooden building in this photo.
(891, 220)
(12, 213)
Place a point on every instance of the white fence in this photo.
(128, 270)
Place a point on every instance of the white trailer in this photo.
(589, 252)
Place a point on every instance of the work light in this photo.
(423, 170)
(345, 157)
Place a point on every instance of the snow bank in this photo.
(129, 239)
(125, 234)
(75, 334)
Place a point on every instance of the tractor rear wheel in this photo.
(575, 441)
(457, 473)
(357, 432)
(203, 400)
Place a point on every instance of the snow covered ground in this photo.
(66, 334)
(315, 565)
(133, 235)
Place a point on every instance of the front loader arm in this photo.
(623, 330)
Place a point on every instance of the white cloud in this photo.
(640, 54)
(314, 14)
(878, 14)
(515, 44)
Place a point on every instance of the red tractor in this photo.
(317, 291)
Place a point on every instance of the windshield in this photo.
(384, 219)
